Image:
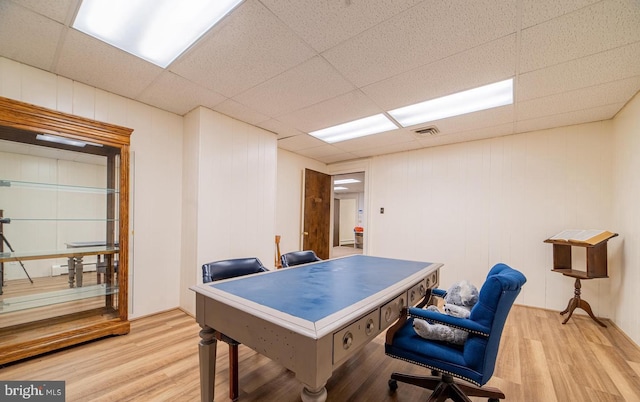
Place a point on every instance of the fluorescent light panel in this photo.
(473, 100)
(340, 188)
(357, 128)
(157, 31)
(346, 181)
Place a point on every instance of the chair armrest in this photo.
(464, 324)
(438, 292)
(391, 332)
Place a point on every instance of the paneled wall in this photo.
(474, 204)
(625, 275)
(230, 193)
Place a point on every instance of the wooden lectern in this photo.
(595, 243)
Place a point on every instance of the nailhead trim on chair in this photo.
(436, 369)
(471, 331)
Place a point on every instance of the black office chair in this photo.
(298, 257)
(218, 270)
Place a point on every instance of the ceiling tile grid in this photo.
(250, 48)
(337, 110)
(92, 62)
(306, 84)
(28, 37)
(291, 67)
(419, 36)
(484, 64)
(185, 95)
(325, 24)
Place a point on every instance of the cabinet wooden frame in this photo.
(19, 122)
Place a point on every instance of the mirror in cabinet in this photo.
(63, 230)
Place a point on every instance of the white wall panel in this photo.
(37, 86)
(234, 207)
(625, 268)
(475, 204)
(157, 208)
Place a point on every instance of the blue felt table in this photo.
(313, 292)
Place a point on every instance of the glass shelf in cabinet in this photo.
(53, 186)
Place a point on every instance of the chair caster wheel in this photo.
(393, 385)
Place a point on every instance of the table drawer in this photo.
(348, 339)
(391, 311)
(417, 292)
(432, 280)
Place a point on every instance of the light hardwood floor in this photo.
(540, 360)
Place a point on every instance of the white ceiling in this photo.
(292, 67)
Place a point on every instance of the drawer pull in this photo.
(347, 340)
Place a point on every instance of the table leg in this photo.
(314, 395)
(79, 272)
(207, 354)
(71, 264)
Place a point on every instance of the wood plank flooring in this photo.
(540, 360)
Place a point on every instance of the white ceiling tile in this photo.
(93, 62)
(58, 10)
(617, 92)
(324, 24)
(475, 120)
(338, 157)
(299, 142)
(308, 83)
(178, 95)
(341, 109)
(590, 30)
(593, 70)
(391, 148)
(250, 47)
(419, 36)
(485, 64)
(388, 138)
(567, 119)
(469, 135)
(241, 112)
(278, 127)
(535, 12)
(28, 37)
(325, 153)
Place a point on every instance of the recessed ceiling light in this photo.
(340, 188)
(473, 100)
(346, 181)
(356, 128)
(157, 31)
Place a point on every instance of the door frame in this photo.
(361, 165)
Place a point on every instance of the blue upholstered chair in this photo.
(472, 362)
(225, 269)
(298, 257)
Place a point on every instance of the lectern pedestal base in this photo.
(577, 302)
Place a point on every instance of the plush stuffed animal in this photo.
(459, 300)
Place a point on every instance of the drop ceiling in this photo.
(292, 67)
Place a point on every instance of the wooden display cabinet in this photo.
(70, 212)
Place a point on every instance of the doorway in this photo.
(348, 210)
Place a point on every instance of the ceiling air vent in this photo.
(427, 131)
